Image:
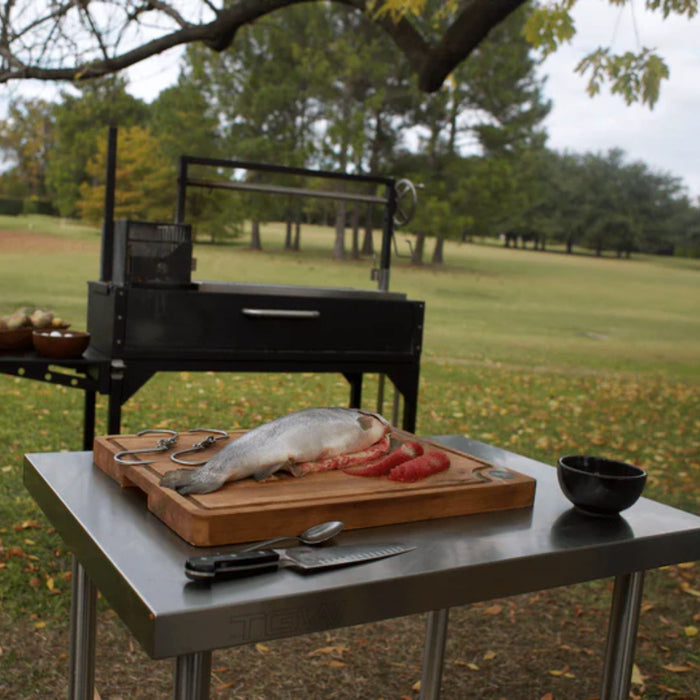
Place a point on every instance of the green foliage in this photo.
(549, 26)
(36, 205)
(11, 206)
(26, 136)
(146, 180)
(636, 77)
(79, 122)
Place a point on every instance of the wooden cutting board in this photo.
(249, 510)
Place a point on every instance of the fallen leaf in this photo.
(416, 686)
(691, 631)
(685, 587)
(674, 668)
(489, 655)
(334, 663)
(26, 525)
(39, 625)
(262, 647)
(50, 583)
(547, 696)
(493, 609)
(340, 649)
(35, 582)
(637, 678)
(225, 686)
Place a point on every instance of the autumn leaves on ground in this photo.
(541, 353)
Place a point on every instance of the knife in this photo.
(210, 567)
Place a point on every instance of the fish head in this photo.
(374, 424)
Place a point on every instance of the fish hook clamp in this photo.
(208, 441)
(162, 445)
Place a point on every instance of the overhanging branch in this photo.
(432, 62)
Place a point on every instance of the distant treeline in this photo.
(295, 91)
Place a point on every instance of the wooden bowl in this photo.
(60, 344)
(18, 339)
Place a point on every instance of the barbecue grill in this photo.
(147, 315)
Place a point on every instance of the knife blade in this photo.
(209, 567)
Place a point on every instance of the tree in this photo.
(72, 41)
(79, 122)
(68, 40)
(146, 180)
(26, 136)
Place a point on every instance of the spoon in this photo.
(316, 534)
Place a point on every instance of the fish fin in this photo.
(261, 474)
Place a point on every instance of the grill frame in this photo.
(254, 327)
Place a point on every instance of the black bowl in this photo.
(600, 486)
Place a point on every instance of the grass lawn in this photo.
(541, 353)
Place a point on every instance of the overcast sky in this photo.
(665, 138)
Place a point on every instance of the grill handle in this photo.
(281, 313)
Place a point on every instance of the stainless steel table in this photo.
(137, 563)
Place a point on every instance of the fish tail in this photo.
(186, 481)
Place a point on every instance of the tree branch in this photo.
(432, 62)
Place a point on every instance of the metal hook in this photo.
(161, 446)
(208, 441)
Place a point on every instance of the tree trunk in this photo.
(339, 247)
(368, 242)
(296, 245)
(288, 234)
(438, 258)
(255, 242)
(417, 255)
(569, 245)
(355, 233)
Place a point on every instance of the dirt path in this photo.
(23, 241)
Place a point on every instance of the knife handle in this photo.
(232, 565)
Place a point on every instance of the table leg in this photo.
(82, 635)
(192, 673)
(622, 635)
(434, 654)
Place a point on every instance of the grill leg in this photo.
(355, 380)
(434, 654)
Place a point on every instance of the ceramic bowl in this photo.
(60, 344)
(600, 486)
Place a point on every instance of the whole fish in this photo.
(303, 436)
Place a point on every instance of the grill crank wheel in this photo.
(406, 199)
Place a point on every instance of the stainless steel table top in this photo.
(137, 562)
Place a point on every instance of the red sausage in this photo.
(407, 451)
(420, 467)
(344, 460)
